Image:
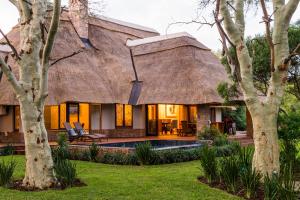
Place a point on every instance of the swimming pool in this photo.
(157, 144)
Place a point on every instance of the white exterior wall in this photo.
(7, 121)
(108, 116)
(139, 117)
(95, 117)
(218, 115)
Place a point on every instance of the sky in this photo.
(158, 14)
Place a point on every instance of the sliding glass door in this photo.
(152, 116)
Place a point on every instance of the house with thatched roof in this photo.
(120, 79)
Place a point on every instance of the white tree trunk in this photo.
(39, 165)
(266, 155)
(32, 87)
(264, 111)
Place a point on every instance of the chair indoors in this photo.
(185, 129)
(83, 133)
(174, 126)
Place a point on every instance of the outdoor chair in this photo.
(72, 135)
(83, 133)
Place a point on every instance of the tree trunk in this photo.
(39, 164)
(266, 155)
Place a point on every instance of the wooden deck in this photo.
(240, 137)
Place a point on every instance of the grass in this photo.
(111, 182)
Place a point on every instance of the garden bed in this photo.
(18, 185)
(240, 191)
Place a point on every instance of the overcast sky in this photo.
(157, 14)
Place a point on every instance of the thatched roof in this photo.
(173, 69)
(177, 69)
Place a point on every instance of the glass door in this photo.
(152, 116)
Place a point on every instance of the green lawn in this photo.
(174, 181)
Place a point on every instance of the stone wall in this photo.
(203, 116)
(122, 133)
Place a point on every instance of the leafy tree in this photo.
(260, 54)
(229, 18)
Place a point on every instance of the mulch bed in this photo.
(18, 185)
(240, 191)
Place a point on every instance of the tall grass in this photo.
(65, 172)
(144, 153)
(6, 172)
(209, 163)
(229, 172)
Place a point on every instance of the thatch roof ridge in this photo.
(162, 43)
(137, 42)
(127, 24)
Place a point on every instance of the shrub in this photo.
(251, 181)
(62, 151)
(144, 153)
(287, 190)
(245, 157)
(229, 172)
(6, 172)
(65, 172)
(232, 148)
(209, 163)
(131, 159)
(94, 150)
(271, 187)
(221, 141)
(115, 158)
(62, 139)
(7, 150)
(208, 133)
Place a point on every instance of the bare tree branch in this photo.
(43, 92)
(267, 20)
(195, 21)
(10, 76)
(290, 8)
(51, 34)
(243, 56)
(65, 57)
(16, 55)
(14, 2)
(24, 7)
(239, 16)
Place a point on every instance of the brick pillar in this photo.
(203, 116)
(78, 13)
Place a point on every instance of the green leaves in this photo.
(209, 163)
(6, 172)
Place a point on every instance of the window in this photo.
(73, 112)
(62, 115)
(17, 118)
(123, 115)
(213, 115)
(56, 116)
(84, 115)
(193, 113)
(51, 116)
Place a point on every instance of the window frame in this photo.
(124, 124)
